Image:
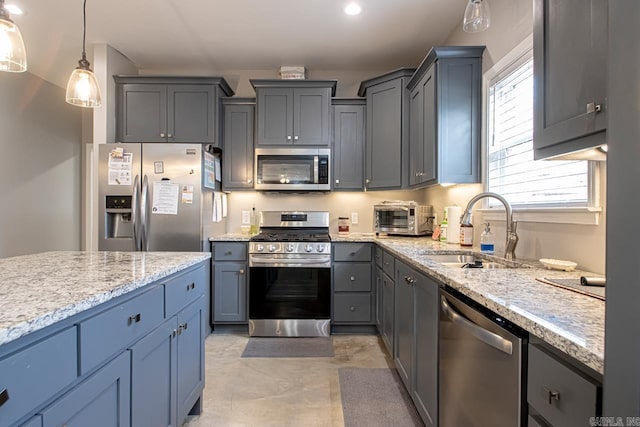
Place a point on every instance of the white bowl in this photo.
(558, 264)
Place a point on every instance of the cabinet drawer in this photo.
(352, 307)
(109, 332)
(577, 395)
(229, 252)
(31, 376)
(352, 252)
(352, 277)
(378, 256)
(182, 290)
(388, 264)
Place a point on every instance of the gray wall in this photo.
(40, 167)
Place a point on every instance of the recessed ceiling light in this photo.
(13, 9)
(352, 9)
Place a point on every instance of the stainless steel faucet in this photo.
(512, 236)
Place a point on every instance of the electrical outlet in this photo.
(354, 218)
(246, 217)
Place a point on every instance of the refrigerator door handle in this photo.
(135, 212)
(143, 214)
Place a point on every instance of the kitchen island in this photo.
(86, 333)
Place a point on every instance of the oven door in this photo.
(293, 300)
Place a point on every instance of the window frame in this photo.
(589, 214)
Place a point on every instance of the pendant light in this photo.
(477, 16)
(13, 57)
(82, 88)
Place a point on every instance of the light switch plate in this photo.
(354, 217)
(246, 217)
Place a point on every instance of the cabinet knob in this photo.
(367, 181)
(241, 271)
(352, 278)
(174, 333)
(352, 308)
(288, 137)
(169, 135)
(552, 395)
(249, 181)
(162, 135)
(4, 396)
(296, 137)
(337, 181)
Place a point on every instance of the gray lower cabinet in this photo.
(416, 338)
(238, 141)
(386, 158)
(103, 399)
(570, 57)
(348, 144)
(229, 282)
(388, 313)
(446, 112)
(353, 293)
(169, 109)
(559, 394)
(293, 112)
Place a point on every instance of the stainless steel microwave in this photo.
(298, 169)
(405, 218)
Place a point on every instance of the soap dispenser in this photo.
(486, 240)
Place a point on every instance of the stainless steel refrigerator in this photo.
(152, 197)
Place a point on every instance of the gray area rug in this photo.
(289, 347)
(375, 398)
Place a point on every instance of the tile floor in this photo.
(282, 392)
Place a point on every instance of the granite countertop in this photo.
(41, 289)
(567, 320)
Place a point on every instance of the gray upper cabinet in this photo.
(238, 138)
(348, 140)
(445, 122)
(294, 112)
(570, 57)
(169, 109)
(387, 130)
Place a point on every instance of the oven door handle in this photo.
(279, 262)
(488, 337)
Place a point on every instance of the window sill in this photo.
(582, 216)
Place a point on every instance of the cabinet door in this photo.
(404, 324)
(416, 135)
(275, 116)
(190, 358)
(429, 153)
(230, 292)
(570, 46)
(142, 114)
(348, 152)
(311, 121)
(384, 135)
(153, 380)
(237, 162)
(388, 313)
(425, 391)
(379, 313)
(191, 112)
(102, 400)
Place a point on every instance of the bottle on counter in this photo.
(343, 225)
(466, 235)
(443, 227)
(253, 228)
(486, 240)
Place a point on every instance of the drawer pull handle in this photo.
(352, 254)
(228, 253)
(352, 308)
(552, 395)
(4, 396)
(174, 333)
(191, 286)
(133, 319)
(352, 278)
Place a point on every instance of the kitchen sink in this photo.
(469, 261)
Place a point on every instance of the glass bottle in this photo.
(486, 240)
(253, 228)
(443, 227)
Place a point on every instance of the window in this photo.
(511, 170)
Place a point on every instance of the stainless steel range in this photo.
(290, 275)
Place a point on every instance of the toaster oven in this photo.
(403, 218)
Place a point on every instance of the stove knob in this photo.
(308, 248)
(290, 247)
(260, 248)
(320, 248)
(272, 248)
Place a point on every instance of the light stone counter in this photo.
(41, 289)
(569, 321)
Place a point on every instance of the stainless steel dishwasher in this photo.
(482, 379)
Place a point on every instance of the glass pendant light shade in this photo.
(477, 16)
(82, 88)
(13, 56)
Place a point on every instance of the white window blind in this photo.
(512, 172)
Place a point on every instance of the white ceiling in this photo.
(215, 35)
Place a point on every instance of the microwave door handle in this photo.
(315, 169)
